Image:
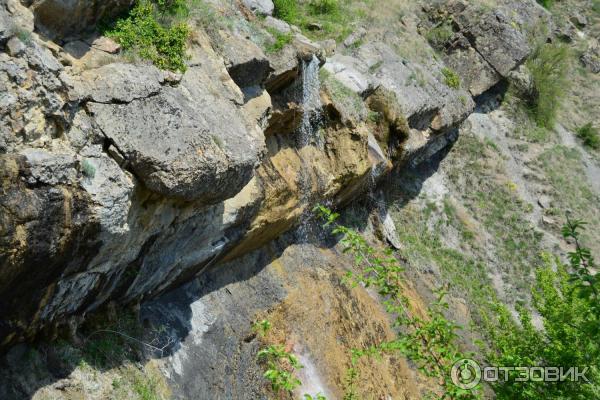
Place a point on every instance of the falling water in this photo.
(311, 104)
(309, 135)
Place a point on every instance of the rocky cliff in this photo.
(121, 181)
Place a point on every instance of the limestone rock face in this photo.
(175, 141)
(119, 181)
(485, 45)
(262, 7)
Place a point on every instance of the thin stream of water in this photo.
(309, 135)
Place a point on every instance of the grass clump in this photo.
(548, 66)
(440, 34)
(322, 7)
(546, 3)
(589, 135)
(281, 40)
(286, 10)
(451, 78)
(319, 19)
(142, 33)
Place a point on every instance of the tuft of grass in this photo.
(335, 18)
(440, 34)
(281, 40)
(451, 78)
(286, 10)
(142, 33)
(589, 135)
(322, 7)
(548, 66)
(546, 3)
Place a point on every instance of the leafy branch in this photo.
(431, 342)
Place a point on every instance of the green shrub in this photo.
(546, 3)
(141, 33)
(281, 366)
(172, 6)
(548, 66)
(320, 7)
(440, 34)
(589, 135)
(286, 10)
(567, 301)
(451, 78)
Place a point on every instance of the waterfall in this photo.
(311, 104)
(309, 135)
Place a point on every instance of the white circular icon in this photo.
(466, 374)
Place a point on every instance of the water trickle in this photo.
(311, 104)
(309, 135)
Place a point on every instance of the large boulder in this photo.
(262, 7)
(184, 142)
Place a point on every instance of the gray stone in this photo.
(355, 37)
(475, 73)
(77, 48)
(343, 69)
(545, 201)
(50, 168)
(184, 142)
(426, 101)
(106, 44)
(493, 36)
(246, 63)
(261, 7)
(15, 47)
(277, 24)
(117, 83)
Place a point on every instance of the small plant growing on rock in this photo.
(142, 33)
(281, 365)
(317, 397)
(262, 327)
(88, 169)
(589, 135)
(451, 78)
(281, 40)
(439, 35)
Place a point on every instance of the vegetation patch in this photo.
(566, 298)
(440, 34)
(564, 169)
(492, 200)
(548, 65)
(451, 78)
(151, 31)
(286, 10)
(281, 40)
(320, 19)
(589, 136)
(428, 340)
